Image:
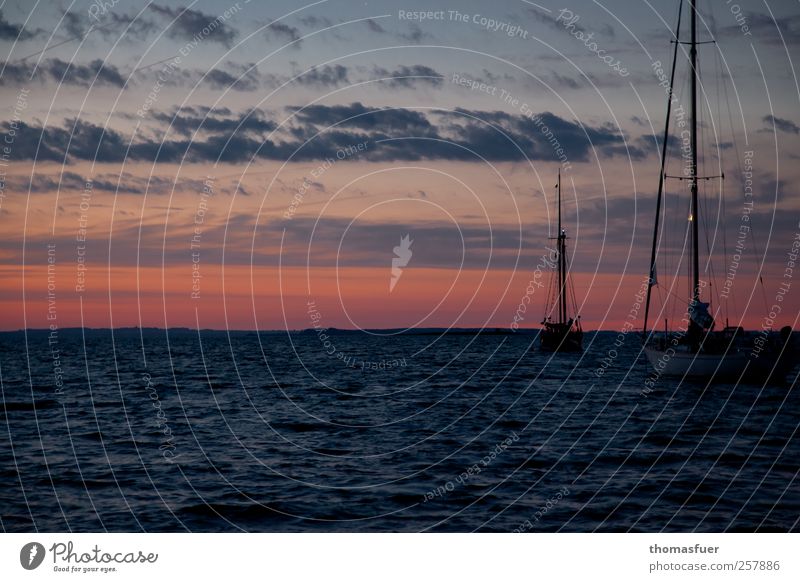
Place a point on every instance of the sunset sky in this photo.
(228, 163)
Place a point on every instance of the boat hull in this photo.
(689, 365)
(735, 365)
(557, 340)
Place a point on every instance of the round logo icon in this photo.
(31, 555)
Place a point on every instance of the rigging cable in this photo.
(661, 179)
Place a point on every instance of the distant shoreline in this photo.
(385, 332)
(332, 330)
(382, 331)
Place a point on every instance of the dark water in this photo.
(460, 433)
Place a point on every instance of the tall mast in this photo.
(562, 262)
(693, 168)
(661, 177)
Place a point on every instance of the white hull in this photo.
(684, 364)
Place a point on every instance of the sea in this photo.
(179, 430)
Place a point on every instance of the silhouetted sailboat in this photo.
(563, 334)
(695, 349)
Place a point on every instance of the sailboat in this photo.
(561, 335)
(697, 349)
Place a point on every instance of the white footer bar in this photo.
(400, 557)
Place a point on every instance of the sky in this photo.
(245, 165)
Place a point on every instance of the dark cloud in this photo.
(198, 110)
(313, 21)
(219, 79)
(283, 32)
(74, 25)
(88, 141)
(491, 78)
(374, 26)
(533, 134)
(15, 73)
(414, 35)
(563, 81)
(111, 24)
(624, 150)
(768, 30)
(83, 75)
(550, 20)
(608, 30)
(360, 116)
(77, 139)
(96, 71)
(10, 31)
(237, 77)
(46, 183)
(409, 76)
(325, 76)
(188, 121)
(318, 131)
(233, 76)
(561, 19)
(185, 23)
(115, 24)
(246, 77)
(123, 183)
(402, 134)
(784, 125)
